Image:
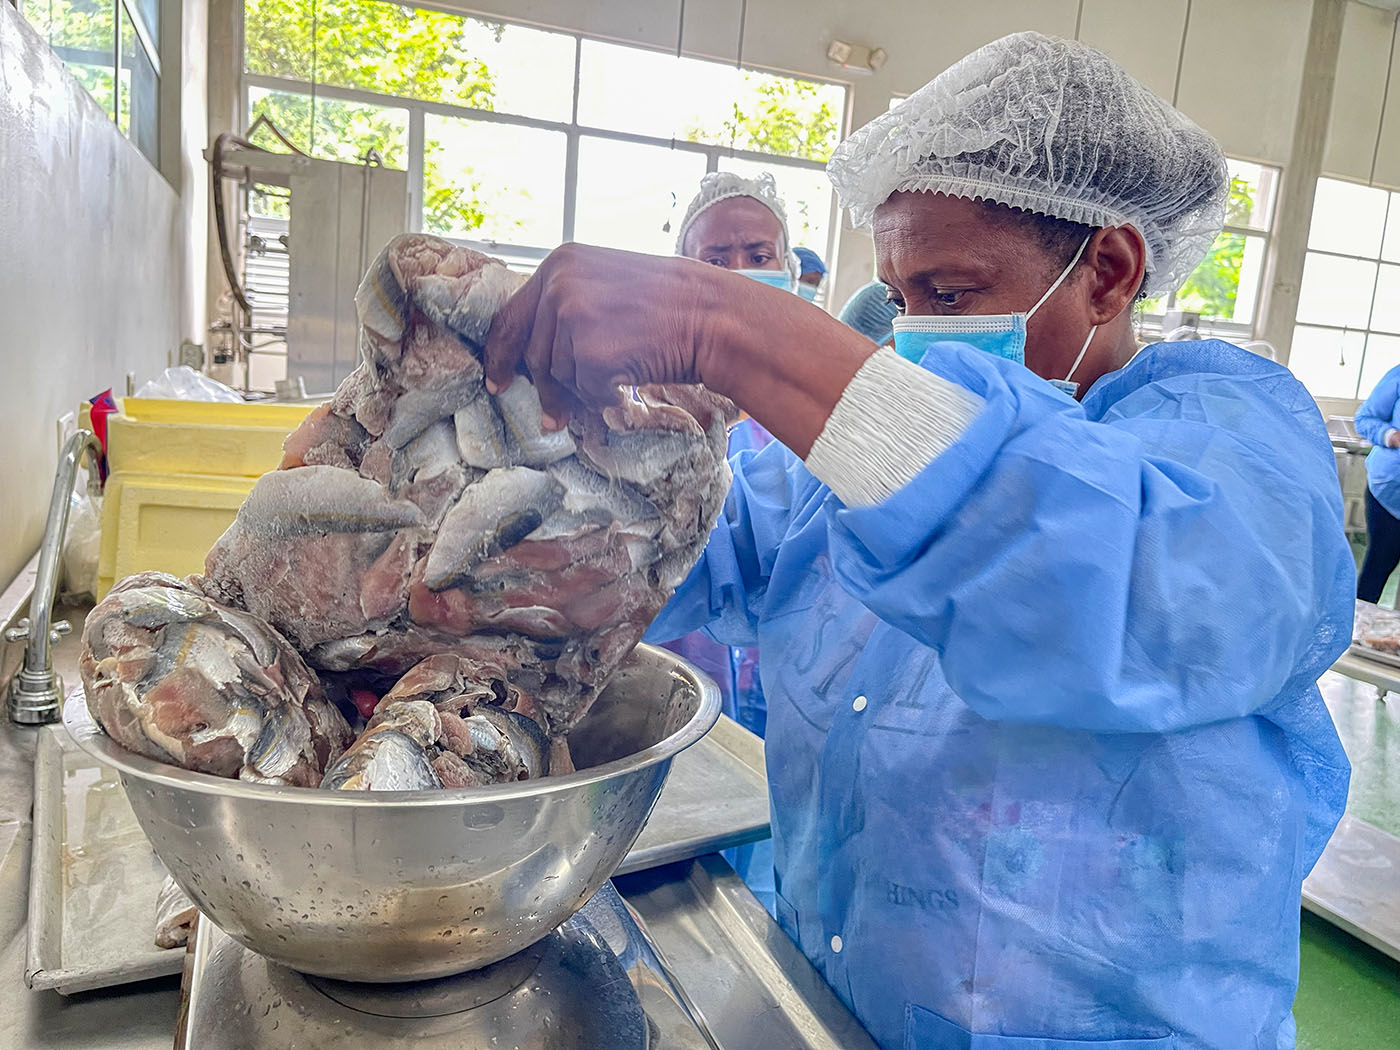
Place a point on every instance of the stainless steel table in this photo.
(133, 1017)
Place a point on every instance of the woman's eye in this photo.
(891, 296)
(948, 298)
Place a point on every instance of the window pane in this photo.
(1382, 354)
(149, 13)
(649, 92)
(629, 193)
(1347, 218)
(1336, 291)
(277, 38)
(330, 128)
(652, 93)
(138, 104)
(84, 36)
(1326, 361)
(1225, 286)
(1252, 189)
(1385, 314)
(493, 182)
(778, 115)
(395, 49)
(531, 72)
(807, 195)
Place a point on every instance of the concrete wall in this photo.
(96, 279)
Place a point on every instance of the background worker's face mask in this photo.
(1001, 334)
(807, 291)
(777, 278)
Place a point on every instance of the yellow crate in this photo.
(200, 437)
(166, 522)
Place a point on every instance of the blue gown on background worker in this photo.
(733, 668)
(1046, 755)
(1377, 415)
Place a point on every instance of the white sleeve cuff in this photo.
(892, 420)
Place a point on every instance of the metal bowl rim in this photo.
(85, 732)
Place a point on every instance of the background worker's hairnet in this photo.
(719, 186)
(809, 261)
(870, 312)
(1054, 127)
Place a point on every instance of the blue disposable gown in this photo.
(734, 668)
(1046, 755)
(1379, 414)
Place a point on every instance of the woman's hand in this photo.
(591, 320)
(1392, 439)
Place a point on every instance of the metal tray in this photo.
(733, 965)
(93, 878)
(715, 797)
(1374, 655)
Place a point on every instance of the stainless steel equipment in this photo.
(296, 296)
(394, 886)
(593, 984)
(35, 690)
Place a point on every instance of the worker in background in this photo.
(871, 313)
(738, 224)
(1378, 421)
(741, 225)
(811, 272)
(1041, 620)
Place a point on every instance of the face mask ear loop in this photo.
(1060, 279)
(1082, 351)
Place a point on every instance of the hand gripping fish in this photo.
(426, 545)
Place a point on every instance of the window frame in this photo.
(146, 39)
(1153, 323)
(1380, 262)
(527, 256)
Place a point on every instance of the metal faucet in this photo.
(36, 692)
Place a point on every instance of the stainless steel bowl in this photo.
(405, 885)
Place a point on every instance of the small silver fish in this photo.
(497, 512)
(481, 440)
(309, 500)
(519, 405)
(467, 311)
(393, 754)
(416, 410)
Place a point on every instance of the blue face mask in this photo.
(1003, 335)
(777, 278)
(807, 291)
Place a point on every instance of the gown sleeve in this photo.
(1373, 418)
(1173, 563)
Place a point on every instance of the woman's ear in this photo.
(1117, 258)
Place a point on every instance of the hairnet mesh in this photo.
(870, 312)
(718, 186)
(1050, 126)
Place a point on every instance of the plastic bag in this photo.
(183, 383)
(82, 544)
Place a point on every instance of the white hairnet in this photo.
(718, 186)
(1054, 127)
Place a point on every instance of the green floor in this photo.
(1348, 994)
